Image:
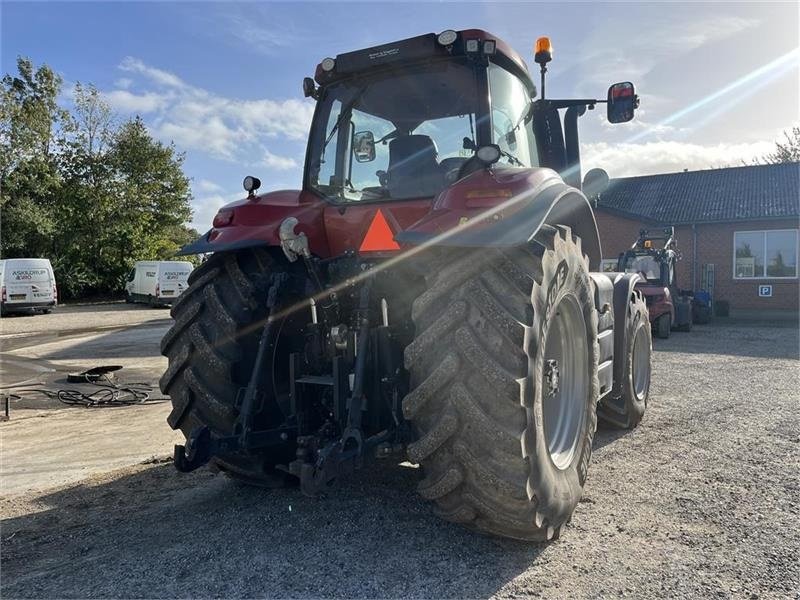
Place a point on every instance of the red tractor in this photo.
(653, 257)
(431, 289)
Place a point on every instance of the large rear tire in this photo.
(626, 409)
(211, 348)
(503, 450)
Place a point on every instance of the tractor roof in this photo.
(412, 50)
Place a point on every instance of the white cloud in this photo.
(206, 186)
(280, 163)
(134, 65)
(204, 209)
(625, 160)
(124, 101)
(196, 119)
(123, 83)
(604, 59)
(291, 118)
(210, 134)
(263, 39)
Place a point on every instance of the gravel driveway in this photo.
(703, 499)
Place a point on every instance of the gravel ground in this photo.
(703, 499)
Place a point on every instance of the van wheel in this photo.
(47, 311)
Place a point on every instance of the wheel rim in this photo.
(564, 404)
(641, 363)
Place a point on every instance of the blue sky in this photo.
(718, 82)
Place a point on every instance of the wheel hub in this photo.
(551, 376)
(565, 381)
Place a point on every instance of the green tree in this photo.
(30, 128)
(788, 151)
(92, 196)
(153, 193)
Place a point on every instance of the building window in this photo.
(609, 265)
(765, 254)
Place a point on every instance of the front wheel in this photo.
(663, 326)
(504, 386)
(626, 408)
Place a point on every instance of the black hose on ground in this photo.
(108, 394)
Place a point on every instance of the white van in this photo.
(157, 282)
(28, 284)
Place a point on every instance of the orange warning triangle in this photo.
(379, 236)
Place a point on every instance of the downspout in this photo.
(694, 257)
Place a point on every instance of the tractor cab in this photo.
(408, 119)
(653, 257)
(423, 138)
(654, 263)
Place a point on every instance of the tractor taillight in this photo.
(223, 218)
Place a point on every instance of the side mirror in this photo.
(364, 146)
(309, 89)
(622, 101)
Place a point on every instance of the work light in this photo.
(488, 154)
(472, 46)
(447, 37)
(328, 64)
(251, 184)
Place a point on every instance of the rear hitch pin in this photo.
(385, 312)
(313, 311)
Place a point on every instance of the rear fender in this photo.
(255, 222)
(505, 207)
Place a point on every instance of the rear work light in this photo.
(223, 218)
(447, 37)
(472, 46)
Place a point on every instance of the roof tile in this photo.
(714, 195)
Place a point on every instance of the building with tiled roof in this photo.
(737, 230)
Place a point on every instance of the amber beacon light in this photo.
(543, 51)
(543, 54)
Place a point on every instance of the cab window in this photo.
(511, 128)
(327, 164)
